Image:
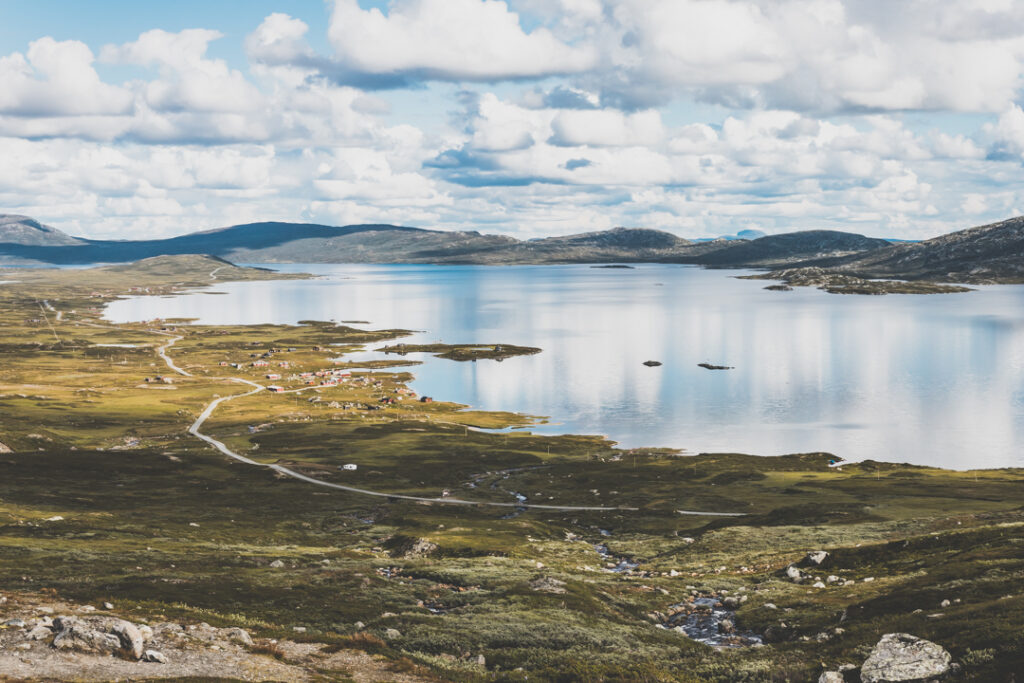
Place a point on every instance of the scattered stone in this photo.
(481, 660)
(87, 608)
(108, 605)
(945, 603)
(154, 656)
(392, 634)
(238, 635)
(14, 623)
(726, 626)
(795, 575)
(146, 631)
(277, 564)
(547, 584)
(818, 584)
(23, 646)
(299, 629)
(903, 657)
(359, 626)
(769, 605)
(832, 578)
(39, 633)
(831, 677)
(868, 579)
(55, 518)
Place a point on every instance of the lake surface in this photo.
(933, 380)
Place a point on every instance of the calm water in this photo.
(936, 380)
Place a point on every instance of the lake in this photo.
(931, 380)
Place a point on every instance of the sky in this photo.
(122, 119)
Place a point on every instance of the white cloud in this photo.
(56, 78)
(449, 40)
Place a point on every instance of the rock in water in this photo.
(903, 657)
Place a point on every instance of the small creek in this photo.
(708, 621)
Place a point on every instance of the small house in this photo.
(275, 389)
(273, 375)
(426, 399)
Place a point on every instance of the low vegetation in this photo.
(104, 496)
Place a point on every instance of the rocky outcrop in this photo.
(82, 636)
(547, 584)
(901, 657)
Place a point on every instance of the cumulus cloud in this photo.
(460, 40)
(56, 78)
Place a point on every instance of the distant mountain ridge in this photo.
(992, 253)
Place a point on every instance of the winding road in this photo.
(256, 388)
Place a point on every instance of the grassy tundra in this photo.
(105, 496)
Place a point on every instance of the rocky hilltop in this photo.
(22, 230)
(986, 254)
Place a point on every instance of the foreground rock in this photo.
(80, 645)
(903, 657)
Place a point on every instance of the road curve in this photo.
(220, 446)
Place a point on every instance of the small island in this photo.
(464, 352)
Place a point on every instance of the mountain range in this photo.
(991, 253)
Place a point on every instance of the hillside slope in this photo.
(985, 254)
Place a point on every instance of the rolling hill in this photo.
(991, 253)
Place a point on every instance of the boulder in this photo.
(831, 677)
(154, 656)
(392, 634)
(277, 564)
(74, 634)
(795, 575)
(130, 637)
(547, 584)
(903, 657)
(238, 635)
(816, 558)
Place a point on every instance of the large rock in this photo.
(817, 558)
(900, 657)
(98, 636)
(130, 637)
(75, 634)
(547, 584)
